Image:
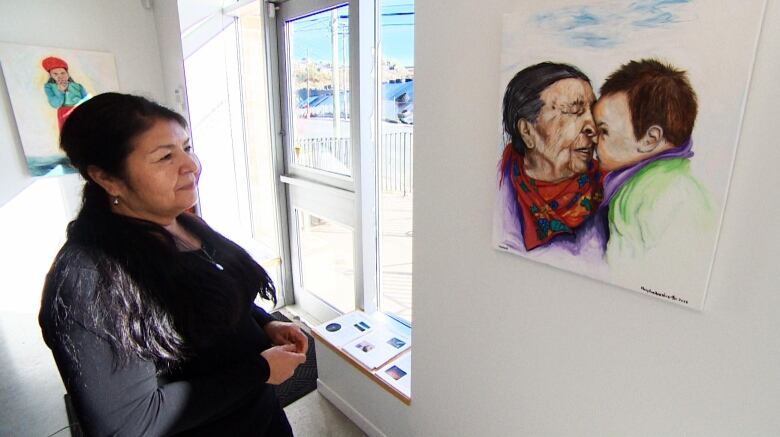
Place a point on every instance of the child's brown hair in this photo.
(658, 94)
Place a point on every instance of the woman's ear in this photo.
(653, 140)
(112, 185)
(526, 131)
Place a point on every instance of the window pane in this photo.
(211, 92)
(259, 149)
(395, 157)
(257, 131)
(319, 94)
(328, 269)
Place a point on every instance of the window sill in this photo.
(379, 319)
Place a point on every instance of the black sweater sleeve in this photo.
(261, 316)
(127, 399)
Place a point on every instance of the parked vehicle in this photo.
(397, 102)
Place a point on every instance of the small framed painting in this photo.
(45, 85)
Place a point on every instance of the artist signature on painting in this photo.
(662, 294)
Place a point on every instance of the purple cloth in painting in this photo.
(615, 180)
(588, 243)
(594, 232)
(598, 227)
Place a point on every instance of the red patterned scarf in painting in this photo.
(551, 208)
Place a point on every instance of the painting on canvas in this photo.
(620, 124)
(45, 84)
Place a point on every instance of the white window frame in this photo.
(359, 198)
(194, 37)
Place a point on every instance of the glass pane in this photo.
(395, 157)
(231, 135)
(259, 148)
(327, 265)
(209, 92)
(257, 133)
(319, 91)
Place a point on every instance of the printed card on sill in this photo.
(377, 347)
(346, 328)
(398, 373)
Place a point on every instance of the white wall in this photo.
(166, 17)
(505, 346)
(34, 212)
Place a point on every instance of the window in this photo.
(302, 113)
(230, 120)
(348, 147)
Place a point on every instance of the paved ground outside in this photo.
(396, 255)
(328, 258)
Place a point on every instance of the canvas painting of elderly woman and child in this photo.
(620, 124)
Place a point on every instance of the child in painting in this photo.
(61, 90)
(657, 209)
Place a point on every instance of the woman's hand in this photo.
(283, 333)
(282, 360)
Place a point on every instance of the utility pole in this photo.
(344, 38)
(308, 96)
(334, 28)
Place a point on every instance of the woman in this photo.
(61, 90)
(548, 180)
(149, 312)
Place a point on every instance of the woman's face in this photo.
(564, 133)
(60, 75)
(161, 175)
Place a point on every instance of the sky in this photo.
(313, 33)
(607, 25)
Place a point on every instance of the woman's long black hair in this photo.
(152, 300)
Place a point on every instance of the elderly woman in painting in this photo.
(61, 90)
(148, 311)
(548, 182)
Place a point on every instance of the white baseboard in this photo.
(354, 415)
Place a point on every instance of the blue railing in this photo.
(396, 154)
(328, 154)
(333, 155)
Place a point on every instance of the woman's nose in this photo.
(589, 125)
(589, 130)
(191, 163)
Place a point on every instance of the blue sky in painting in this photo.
(312, 34)
(595, 25)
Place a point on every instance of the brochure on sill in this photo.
(346, 328)
(377, 347)
(398, 373)
(364, 339)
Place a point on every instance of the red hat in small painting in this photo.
(52, 62)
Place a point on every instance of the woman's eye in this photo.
(577, 109)
(166, 157)
(188, 149)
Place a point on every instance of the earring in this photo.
(115, 201)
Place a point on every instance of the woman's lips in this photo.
(584, 152)
(190, 186)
